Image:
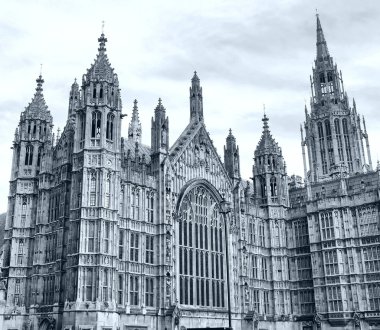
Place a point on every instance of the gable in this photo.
(194, 156)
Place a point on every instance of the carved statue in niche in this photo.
(163, 136)
(168, 247)
(246, 294)
(168, 288)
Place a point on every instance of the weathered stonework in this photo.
(103, 232)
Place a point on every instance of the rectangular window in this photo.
(327, 226)
(149, 207)
(91, 236)
(121, 244)
(149, 248)
(254, 267)
(89, 284)
(266, 302)
(120, 290)
(105, 284)
(264, 269)
(334, 298)
(256, 301)
(134, 247)
(134, 290)
(374, 296)
(331, 262)
(106, 240)
(149, 292)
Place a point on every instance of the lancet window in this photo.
(339, 139)
(347, 143)
(322, 147)
(29, 155)
(96, 124)
(201, 250)
(109, 128)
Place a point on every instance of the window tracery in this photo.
(201, 250)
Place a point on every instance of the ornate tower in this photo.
(333, 131)
(32, 138)
(160, 130)
(231, 157)
(196, 99)
(93, 227)
(134, 129)
(269, 171)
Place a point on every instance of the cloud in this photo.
(246, 53)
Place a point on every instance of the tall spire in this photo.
(196, 99)
(322, 50)
(134, 130)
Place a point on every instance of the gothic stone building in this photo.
(104, 232)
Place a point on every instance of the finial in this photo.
(265, 120)
(264, 109)
(230, 131)
(39, 81)
(102, 41)
(159, 101)
(40, 69)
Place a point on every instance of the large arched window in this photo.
(201, 250)
(109, 130)
(96, 124)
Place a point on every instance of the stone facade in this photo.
(104, 232)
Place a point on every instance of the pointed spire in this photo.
(322, 50)
(134, 130)
(196, 99)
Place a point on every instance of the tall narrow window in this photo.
(120, 289)
(29, 155)
(149, 249)
(101, 93)
(322, 147)
(273, 186)
(339, 139)
(96, 124)
(347, 143)
(149, 292)
(121, 244)
(91, 236)
(149, 207)
(106, 240)
(108, 191)
(134, 247)
(89, 281)
(330, 148)
(39, 156)
(82, 126)
(134, 290)
(105, 284)
(93, 189)
(109, 128)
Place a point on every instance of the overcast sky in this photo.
(246, 53)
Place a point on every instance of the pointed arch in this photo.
(29, 154)
(110, 126)
(96, 124)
